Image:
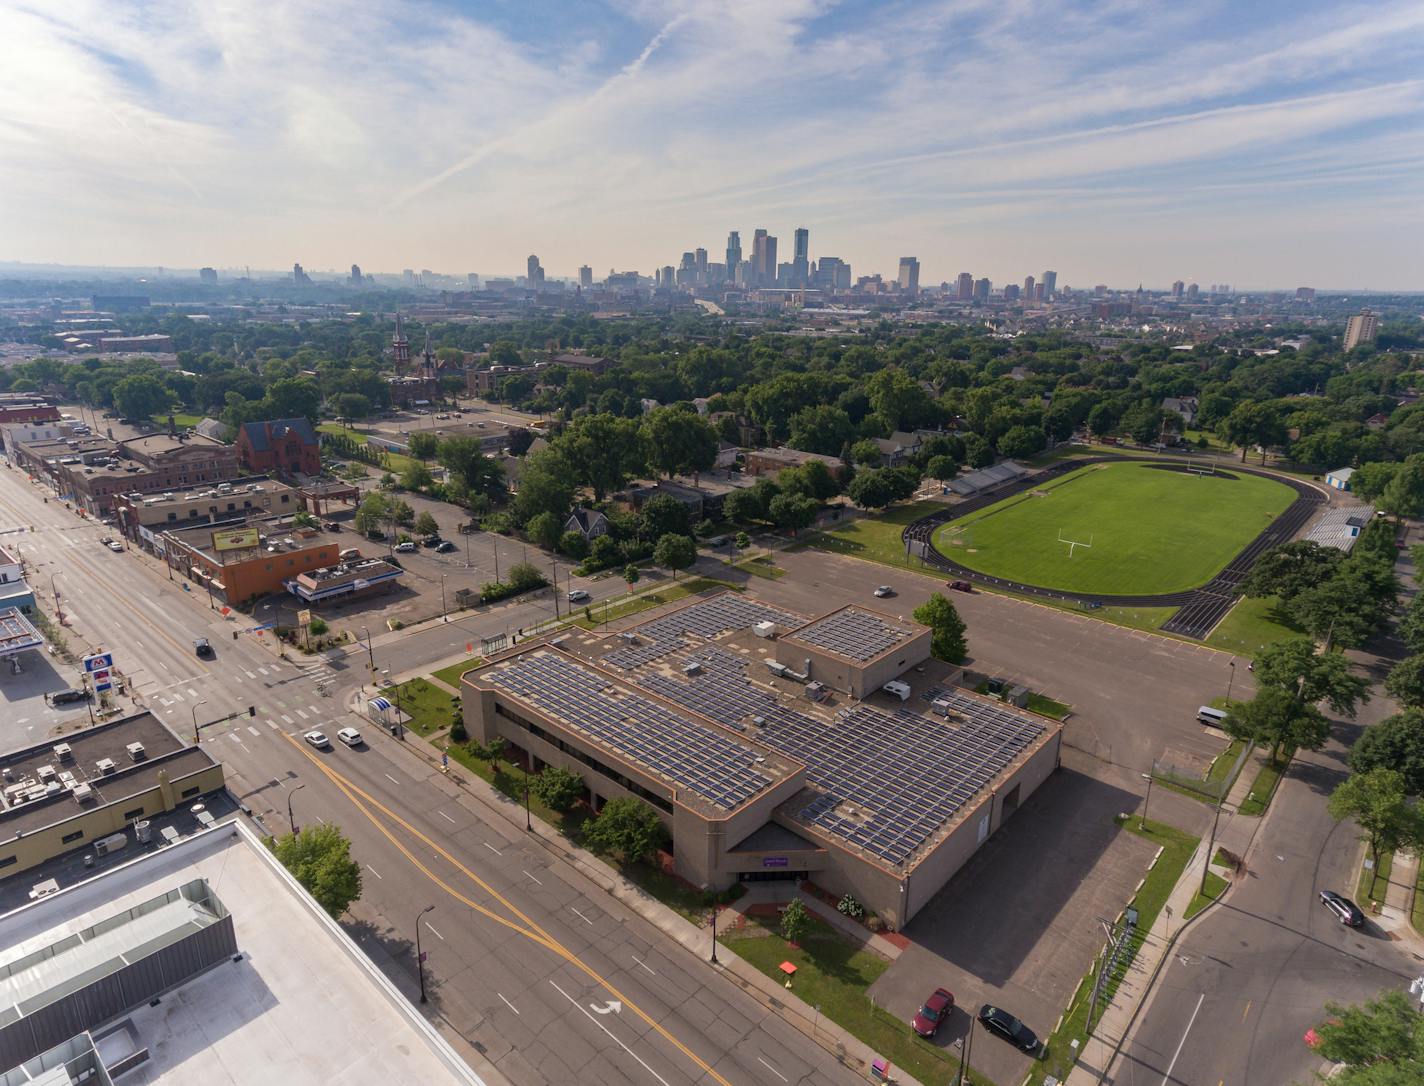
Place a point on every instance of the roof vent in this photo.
(136, 752)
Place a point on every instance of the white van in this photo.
(899, 689)
(1207, 715)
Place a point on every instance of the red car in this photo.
(960, 586)
(932, 1015)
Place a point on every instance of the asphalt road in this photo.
(526, 959)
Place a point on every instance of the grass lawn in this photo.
(1177, 848)
(833, 973)
(761, 567)
(666, 594)
(427, 705)
(451, 675)
(1048, 707)
(1252, 625)
(1151, 530)
(1416, 915)
(1221, 765)
(1215, 887)
(181, 420)
(876, 538)
(1374, 884)
(1264, 787)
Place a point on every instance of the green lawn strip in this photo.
(1177, 848)
(761, 567)
(876, 538)
(668, 593)
(427, 706)
(1221, 765)
(1416, 915)
(181, 420)
(1374, 885)
(834, 974)
(1213, 782)
(692, 904)
(1134, 517)
(1046, 706)
(1215, 887)
(1264, 786)
(1252, 625)
(451, 675)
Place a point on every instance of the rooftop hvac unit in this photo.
(83, 793)
(629, 636)
(63, 752)
(106, 766)
(143, 831)
(136, 751)
(941, 706)
(45, 773)
(692, 667)
(765, 629)
(776, 667)
(112, 843)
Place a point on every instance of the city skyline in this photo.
(1272, 149)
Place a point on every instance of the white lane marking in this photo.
(301, 713)
(262, 671)
(392, 779)
(490, 847)
(772, 1069)
(447, 818)
(373, 871)
(1183, 1041)
(434, 932)
(165, 702)
(606, 1030)
(508, 1004)
(177, 695)
(580, 915)
(273, 725)
(192, 693)
(249, 674)
(164, 666)
(287, 718)
(234, 737)
(253, 730)
(536, 881)
(640, 962)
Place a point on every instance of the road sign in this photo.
(303, 618)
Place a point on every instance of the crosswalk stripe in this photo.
(286, 718)
(302, 713)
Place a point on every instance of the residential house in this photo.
(589, 523)
(1186, 406)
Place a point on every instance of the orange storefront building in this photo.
(240, 563)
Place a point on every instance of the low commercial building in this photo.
(483, 382)
(203, 961)
(143, 517)
(771, 461)
(343, 581)
(74, 791)
(156, 343)
(241, 562)
(24, 407)
(761, 740)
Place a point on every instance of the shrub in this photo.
(850, 907)
(628, 828)
(557, 787)
(318, 627)
(458, 731)
(793, 920)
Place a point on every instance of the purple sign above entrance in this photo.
(773, 861)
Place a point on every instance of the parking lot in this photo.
(25, 716)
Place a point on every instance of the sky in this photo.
(1266, 144)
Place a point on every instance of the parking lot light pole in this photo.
(291, 821)
(419, 956)
(195, 721)
(1146, 803)
(714, 933)
(370, 655)
(528, 820)
(444, 614)
(1230, 678)
(964, 1051)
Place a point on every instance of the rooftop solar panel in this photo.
(854, 634)
(707, 619)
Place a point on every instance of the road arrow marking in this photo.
(611, 1007)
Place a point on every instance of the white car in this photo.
(350, 736)
(406, 548)
(318, 740)
(578, 595)
(883, 591)
(116, 547)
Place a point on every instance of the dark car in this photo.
(202, 648)
(445, 547)
(932, 1015)
(1345, 910)
(431, 541)
(69, 697)
(997, 1020)
(332, 526)
(960, 586)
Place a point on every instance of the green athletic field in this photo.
(1151, 530)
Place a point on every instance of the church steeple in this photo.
(400, 346)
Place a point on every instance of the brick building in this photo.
(283, 446)
(238, 562)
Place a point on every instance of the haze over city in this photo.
(1265, 145)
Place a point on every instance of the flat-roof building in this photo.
(144, 516)
(345, 580)
(241, 560)
(203, 961)
(761, 739)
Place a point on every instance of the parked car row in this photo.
(936, 1010)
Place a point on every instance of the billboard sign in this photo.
(100, 669)
(235, 539)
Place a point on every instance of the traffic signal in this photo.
(252, 710)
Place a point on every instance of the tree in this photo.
(1252, 423)
(627, 828)
(426, 524)
(742, 506)
(1288, 570)
(402, 513)
(302, 519)
(604, 451)
(675, 552)
(1275, 719)
(605, 551)
(1397, 743)
(792, 512)
(481, 475)
(140, 396)
(545, 486)
(1381, 1043)
(1404, 494)
(1405, 682)
(292, 397)
(679, 441)
(1294, 665)
(351, 405)
(1371, 479)
(319, 857)
(423, 445)
(743, 541)
(372, 513)
(631, 575)
(416, 477)
(978, 453)
(1376, 801)
(1022, 441)
(556, 787)
(1411, 625)
(896, 397)
(1336, 611)
(821, 429)
(575, 545)
(545, 530)
(794, 919)
(941, 468)
(871, 489)
(866, 453)
(947, 640)
(663, 515)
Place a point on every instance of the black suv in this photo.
(202, 648)
(69, 697)
(1345, 910)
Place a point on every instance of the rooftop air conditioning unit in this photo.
(136, 751)
(63, 752)
(765, 629)
(83, 793)
(106, 766)
(692, 667)
(776, 667)
(45, 773)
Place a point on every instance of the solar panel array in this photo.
(906, 773)
(856, 635)
(707, 620)
(698, 758)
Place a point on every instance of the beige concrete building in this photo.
(83, 787)
(762, 769)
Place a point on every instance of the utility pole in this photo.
(444, 614)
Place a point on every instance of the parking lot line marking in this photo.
(606, 1030)
(165, 702)
(772, 1069)
(490, 847)
(302, 713)
(580, 915)
(640, 962)
(373, 871)
(392, 779)
(446, 817)
(249, 674)
(536, 881)
(1182, 1043)
(508, 1004)
(234, 737)
(163, 665)
(177, 695)
(253, 730)
(434, 932)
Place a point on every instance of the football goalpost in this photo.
(1073, 544)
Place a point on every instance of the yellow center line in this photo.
(535, 933)
(1247, 1010)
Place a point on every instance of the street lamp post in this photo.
(1230, 678)
(556, 586)
(1146, 803)
(444, 615)
(291, 821)
(714, 933)
(965, 1051)
(419, 955)
(58, 613)
(195, 721)
(370, 654)
(528, 820)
